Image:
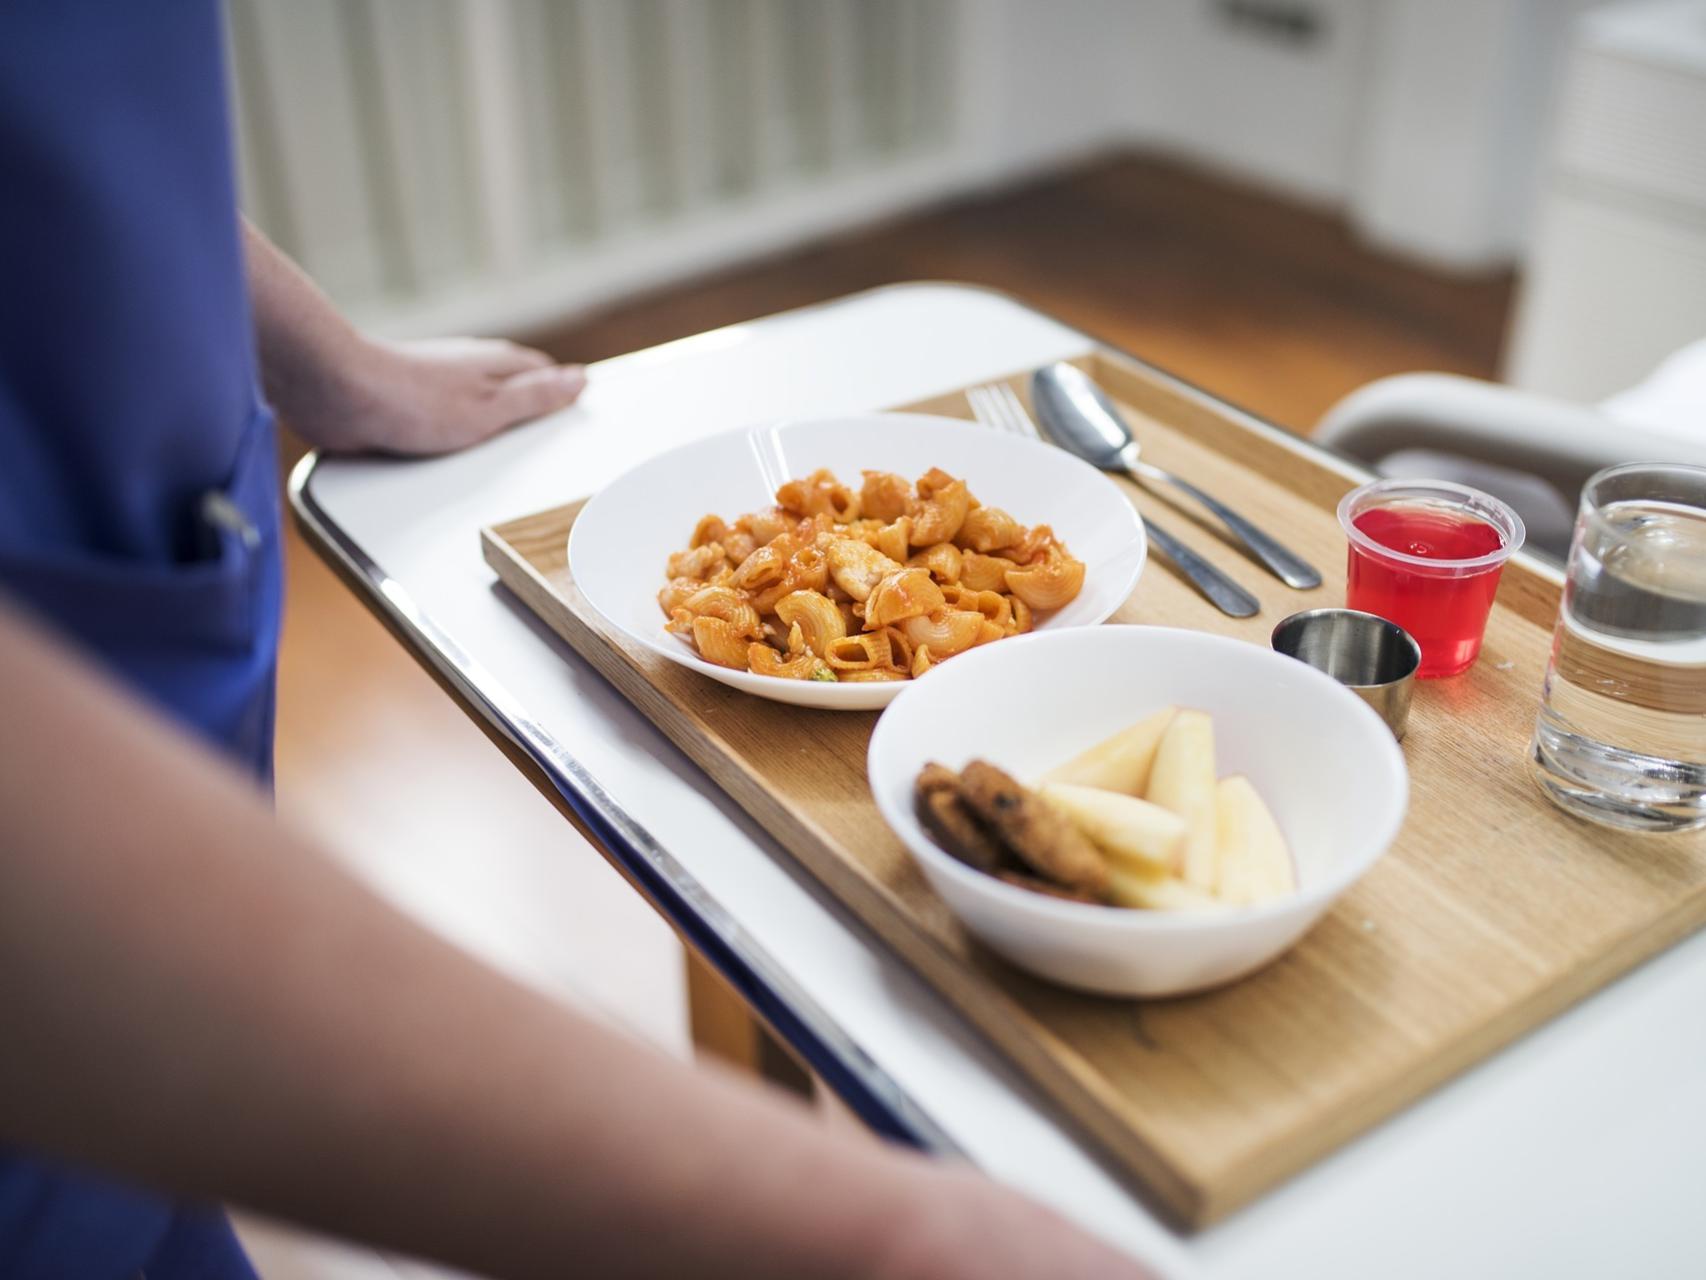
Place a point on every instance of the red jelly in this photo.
(1427, 555)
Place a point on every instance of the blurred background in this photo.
(1280, 200)
(503, 165)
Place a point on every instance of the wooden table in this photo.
(1577, 1151)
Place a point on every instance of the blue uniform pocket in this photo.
(198, 637)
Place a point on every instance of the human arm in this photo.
(198, 999)
(346, 392)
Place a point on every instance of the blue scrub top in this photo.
(138, 469)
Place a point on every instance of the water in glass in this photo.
(1621, 736)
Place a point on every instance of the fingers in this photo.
(441, 394)
(536, 392)
(506, 358)
(487, 357)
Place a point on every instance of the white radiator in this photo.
(496, 164)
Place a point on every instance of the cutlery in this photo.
(998, 406)
(1080, 417)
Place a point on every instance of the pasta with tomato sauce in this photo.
(879, 582)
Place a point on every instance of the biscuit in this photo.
(937, 777)
(1043, 837)
(952, 824)
(1020, 880)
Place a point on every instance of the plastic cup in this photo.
(1427, 555)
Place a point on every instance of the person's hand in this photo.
(346, 392)
(966, 1227)
(432, 396)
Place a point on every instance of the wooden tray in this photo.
(1492, 912)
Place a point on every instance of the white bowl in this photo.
(1322, 759)
(624, 536)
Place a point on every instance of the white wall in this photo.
(1039, 82)
(1420, 118)
(1252, 104)
(1615, 279)
(1458, 97)
(501, 163)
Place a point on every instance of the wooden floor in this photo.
(1269, 304)
(1272, 305)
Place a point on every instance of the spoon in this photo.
(1083, 420)
(1221, 591)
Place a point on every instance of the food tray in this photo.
(1492, 912)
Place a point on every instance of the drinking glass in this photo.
(1621, 737)
(1427, 555)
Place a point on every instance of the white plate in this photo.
(623, 538)
(1322, 759)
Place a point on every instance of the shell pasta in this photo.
(882, 580)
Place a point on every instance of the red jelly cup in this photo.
(1426, 554)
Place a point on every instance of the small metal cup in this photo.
(1373, 658)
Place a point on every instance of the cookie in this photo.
(1020, 880)
(937, 777)
(1043, 837)
(952, 824)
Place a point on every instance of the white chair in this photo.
(1532, 450)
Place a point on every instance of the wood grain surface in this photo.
(1492, 912)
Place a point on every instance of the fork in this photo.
(997, 405)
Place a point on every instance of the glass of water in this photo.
(1621, 737)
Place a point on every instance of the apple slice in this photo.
(1151, 891)
(1183, 780)
(1120, 763)
(1255, 864)
(1122, 826)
